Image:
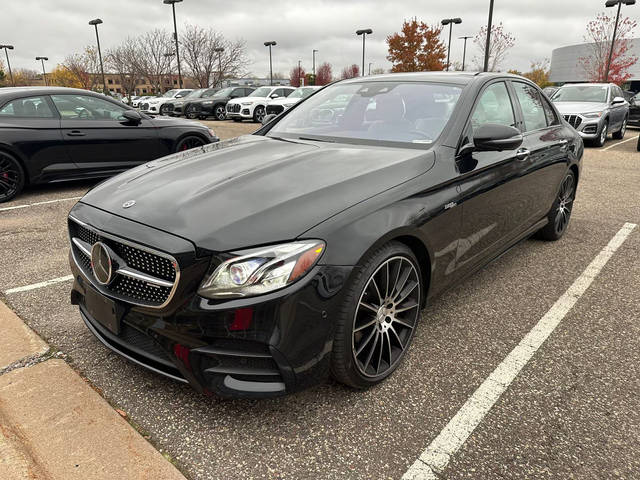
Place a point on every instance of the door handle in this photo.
(76, 133)
(522, 154)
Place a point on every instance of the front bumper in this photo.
(269, 345)
(587, 128)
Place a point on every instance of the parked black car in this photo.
(259, 265)
(215, 106)
(176, 106)
(52, 134)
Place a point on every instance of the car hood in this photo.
(283, 100)
(162, 121)
(570, 108)
(248, 99)
(255, 190)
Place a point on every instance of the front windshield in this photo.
(581, 93)
(170, 93)
(195, 93)
(410, 112)
(210, 92)
(225, 92)
(261, 92)
(302, 92)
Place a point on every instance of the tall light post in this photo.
(314, 63)
(488, 42)
(6, 51)
(95, 23)
(370, 63)
(44, 73)
(270, 44)
(170, 56)
(613, 3)
(175, 36)
(464, 50)
(219, 51)
(450, 22)
(364, 32)
(300, 73)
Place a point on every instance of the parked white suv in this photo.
(279, 105)
(253, 107)
(154, 104)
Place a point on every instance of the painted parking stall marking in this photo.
(35, 286)
(435, 458)
(16, 207)
(620, 143)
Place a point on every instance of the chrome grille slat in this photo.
(574, 120)
(143, 276)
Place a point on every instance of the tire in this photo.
(259, 113)
(599, 142)
(189, 142)
(560, 213)
(191, 114)
(12, 177)
(161, 110)
(219, 113)
(368, 317)
(638, 145)
(619, 135)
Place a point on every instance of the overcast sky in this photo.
(57, 28)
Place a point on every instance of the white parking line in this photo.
(39, 203)
(437, 455)
(34, 286)
(620, 143)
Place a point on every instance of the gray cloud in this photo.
(55, 29)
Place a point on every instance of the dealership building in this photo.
(565, 66)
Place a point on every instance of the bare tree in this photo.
(204, 62)
(123, 61)
(501, 43)
(151, 59)
(84, 67)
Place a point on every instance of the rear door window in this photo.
(30, 107)
(494, 106)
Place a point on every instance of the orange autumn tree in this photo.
(416, 48)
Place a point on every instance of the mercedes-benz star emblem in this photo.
(128, 204)
(101, 263)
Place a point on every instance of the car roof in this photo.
(592, 84)
(460, 78)
(16, 92)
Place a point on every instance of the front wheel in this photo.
(376, 322)
(599, 142)
(560, 213)
(619, 135)
(259, 113)
(12, 177)
(188, 143)
(219, 113)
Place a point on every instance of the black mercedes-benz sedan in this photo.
(49, 134)
(260, 265)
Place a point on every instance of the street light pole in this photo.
(44, 73)
(611, 3)
(464, 51)
(314, 63)
(167, 55)
(270, 44)
(450, 22)
(95, 23)
(175, 36)
(364, 32)
(6, 51)
(488, 43)
(299, 73)
(370, 63)
(219, 50)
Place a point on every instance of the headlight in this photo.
(593, 115)
(247, 103)
(262, 270)
(208, 102)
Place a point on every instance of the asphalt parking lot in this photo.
(572, 412)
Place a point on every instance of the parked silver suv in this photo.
(594, 110)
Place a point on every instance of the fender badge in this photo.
(128, 204)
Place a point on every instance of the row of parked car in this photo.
(234, 103)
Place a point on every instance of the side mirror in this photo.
(493, 137)
(268, 118)
(274, 95)
(617, 101)
(132, 116)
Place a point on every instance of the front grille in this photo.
(574, 120)
(144, 106)
(142, 276)
(233, 108)
(167, 108)
(194, 108)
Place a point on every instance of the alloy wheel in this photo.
(259, 114)
(603, 134)
(385, 317)
(10, 177)
(623, 130)
(189, 143)
(220, 113)
(565, 204)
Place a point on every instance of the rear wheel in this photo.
(188, 143)
(560, 213)
(380, 312)
(219, 113)
(12, 177)
(619, 135)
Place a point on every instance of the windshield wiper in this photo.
(316, 139)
